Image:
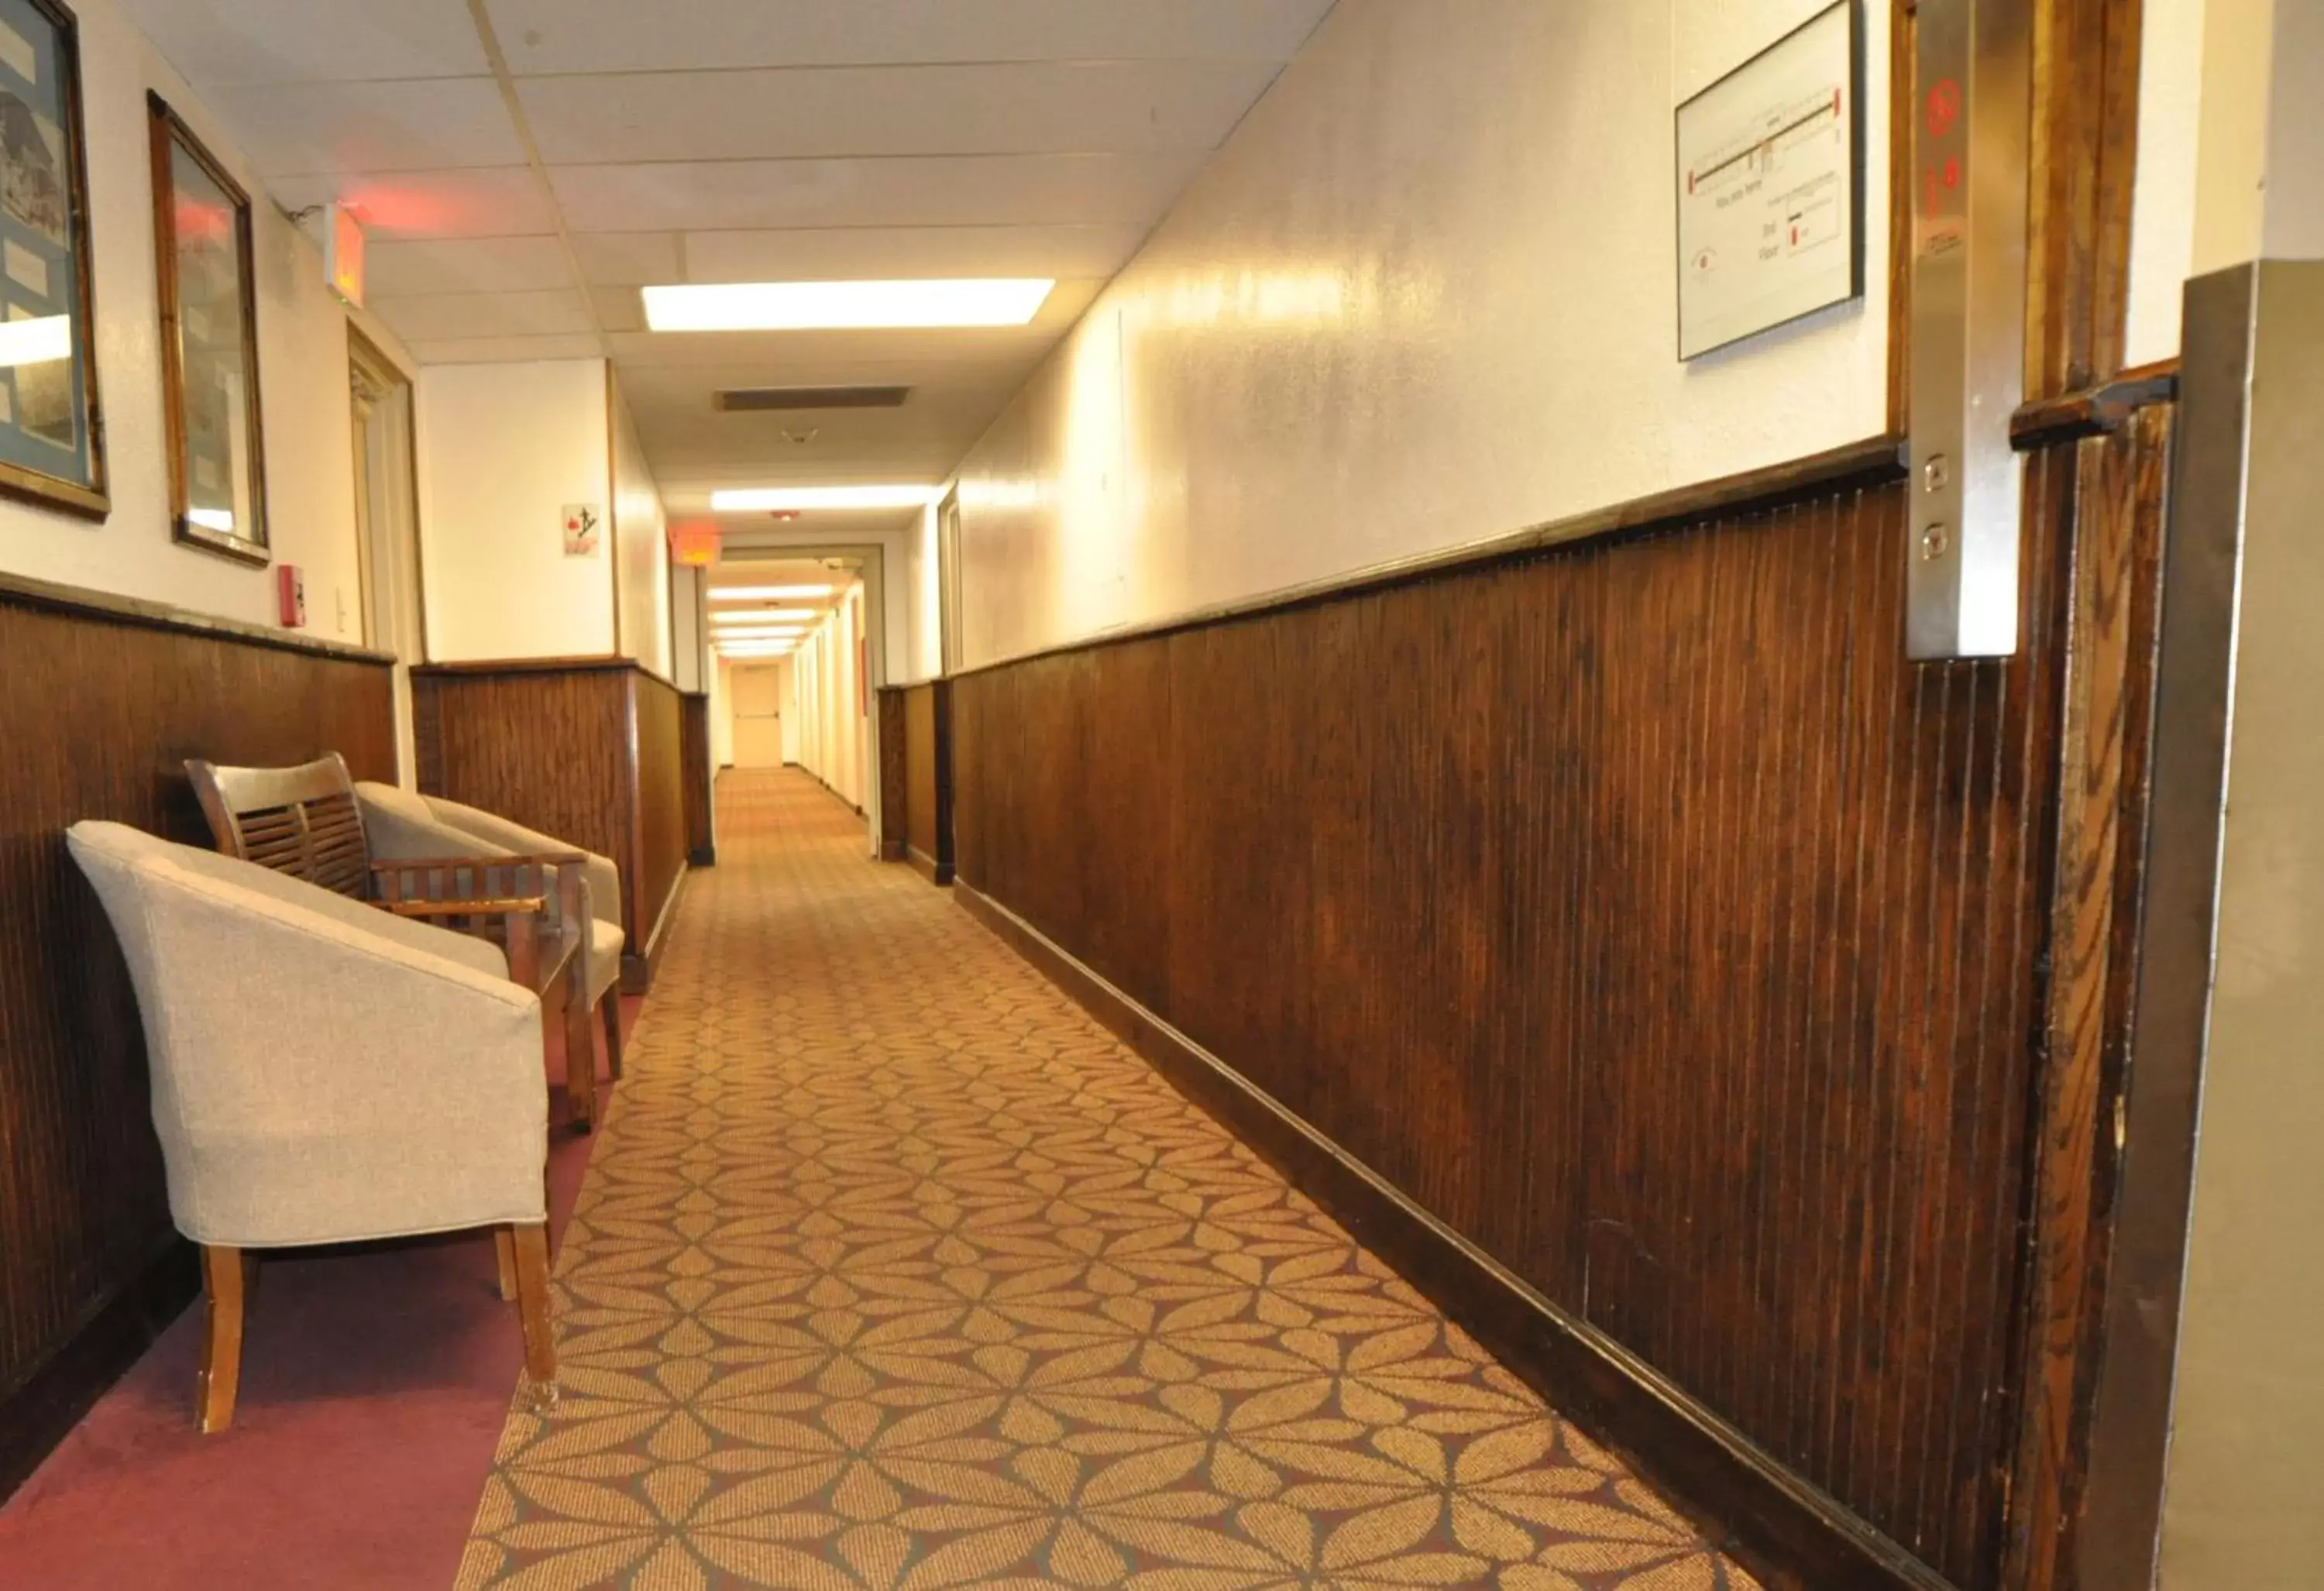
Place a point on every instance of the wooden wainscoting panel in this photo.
(589, 749)
(661, 807)
(927, 744)
(544, 747)
(895, 774)
(1636, 910)
(101, 709)
(696, 775)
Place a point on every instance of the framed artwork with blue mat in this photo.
(52, 432)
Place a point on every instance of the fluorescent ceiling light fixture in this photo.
(768, 616)
(845, 306)
(794, 499)
(41, 341)
(772, 633)
(772, 593)
(758, 649)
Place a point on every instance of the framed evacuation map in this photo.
(1771, 187)
(52, 438)
(210, 345)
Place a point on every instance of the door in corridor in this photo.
(387, 520)
(758, 717)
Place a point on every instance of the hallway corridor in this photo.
(892, 1269)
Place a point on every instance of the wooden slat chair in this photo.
(307, 822)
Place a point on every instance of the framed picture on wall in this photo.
(51, 437)
(210, 345)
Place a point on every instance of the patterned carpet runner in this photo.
(893, 1270)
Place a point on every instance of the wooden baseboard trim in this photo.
(638, 968)
(936, 872)
(41, 1411)
(702, 856)
(1792, 1535)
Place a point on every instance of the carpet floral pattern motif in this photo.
(893, 1270)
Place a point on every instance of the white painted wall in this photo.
(789, 688)
(2162, 203)
(2294, 229)
(720, 682)
(302, 380)
(686, 650)
(502, 449)
(923, 648)
(1426, 295)
(832, 730)
(642, 544)
(1423, 295)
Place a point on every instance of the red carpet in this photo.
(374, 1383)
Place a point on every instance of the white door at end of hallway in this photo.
(758, 718)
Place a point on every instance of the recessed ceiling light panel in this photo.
(772, 593)
(766, 616)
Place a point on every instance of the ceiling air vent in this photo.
(760, 400)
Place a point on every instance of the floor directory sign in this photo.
(1770, 187)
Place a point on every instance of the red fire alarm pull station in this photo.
(290, 587)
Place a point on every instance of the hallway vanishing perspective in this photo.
(892, 1269)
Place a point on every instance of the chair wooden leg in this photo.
(532, 1245)
(610, 1008)
(580, 1062)
(223, 1287)
(504, 1250)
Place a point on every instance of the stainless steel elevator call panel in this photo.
(1971, 110)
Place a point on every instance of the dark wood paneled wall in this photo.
(103, 702)
(661, 796)
(583, 748)
(1636, 909)
(701, 813)
(894, 779)
(927, 777)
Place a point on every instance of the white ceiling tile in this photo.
(1036, 107)
(960, 383)
(619, 308)
(878, 253)
(773, 353)
(467, 265)
(546, 36)
(222, 44)
(295, 129)
(438, 316)
(942, 190)
(926, 409)
(504, 350)
(628, 259)
(825, 442)
(753, 537)
(500, 201)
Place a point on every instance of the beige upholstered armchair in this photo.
(400, 824)
(324, 1072)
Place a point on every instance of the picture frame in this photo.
(1769, 186)
(52, 423)
(205, 263)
